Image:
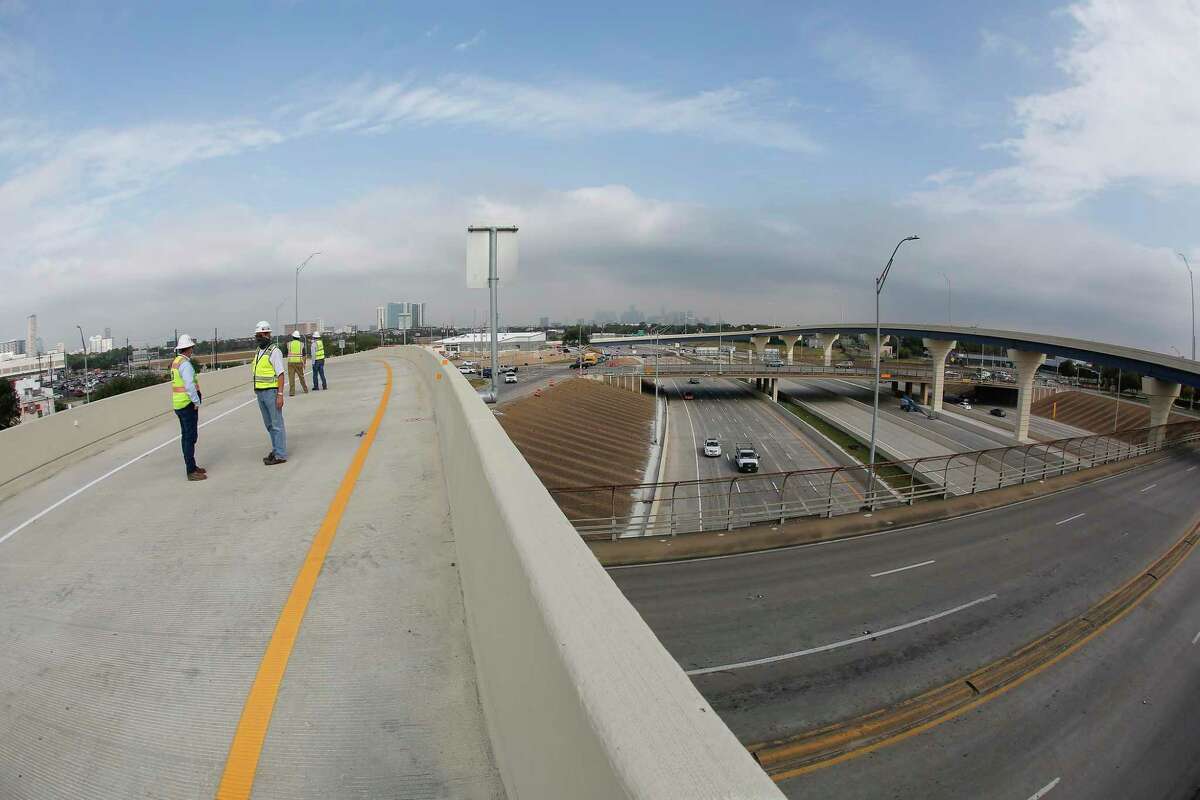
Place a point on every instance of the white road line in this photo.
(1196, 638)
(1068, 519)
(110, 473)
(1189, 469)
(696, 453)
(901, 569)
(844, 643)
(1045, 790)
(1148, 488)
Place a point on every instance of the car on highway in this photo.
(466, 370)
(776, 364)
(693, 380)
(845, 363)
(510, 377)
(997, 412)
(712, 447)
(745, 457)
(965, 404)
(689, 396)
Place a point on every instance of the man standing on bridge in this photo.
(296, 363)
(318, 356)
(185, 399)
(268, 375)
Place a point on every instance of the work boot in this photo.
(197, 476)
(201, 470)
(273, 460)
(268, 456)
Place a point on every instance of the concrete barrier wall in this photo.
(40, 443)
(581, 699)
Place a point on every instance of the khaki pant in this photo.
(295, 370)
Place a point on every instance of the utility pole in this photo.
(493, 282)
(214, 349)
(878, 347)
(300, 268)
(86, 390)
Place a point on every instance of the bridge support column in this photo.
(775, 389)
(789, 343)
(825, 342)
(1161, 397)
(924, 394)
(895, 388)
(938, 350)
(1026, 365)
(873, 346)
(760, 345)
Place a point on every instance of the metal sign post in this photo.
(474, 281)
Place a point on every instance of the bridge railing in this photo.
(726, 503)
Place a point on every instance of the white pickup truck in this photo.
(745, 457)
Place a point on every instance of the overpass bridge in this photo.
(1163, 375)
(400, 610)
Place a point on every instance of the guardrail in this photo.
(690, 506)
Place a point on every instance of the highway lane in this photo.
(1037, 564)
(1116, 719)
(732, 412)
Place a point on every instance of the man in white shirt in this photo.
(267, 373)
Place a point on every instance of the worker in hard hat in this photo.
(296, 363)
(185, 399)
(268, 372)
(318, 356)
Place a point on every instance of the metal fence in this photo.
(726, 503)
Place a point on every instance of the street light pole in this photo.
(299, 269)
(1192, 286)
(875, 406)
(87, 392)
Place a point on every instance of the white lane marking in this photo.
(844, 643)
(110, 473)
(1068, 519)
(1045, 790)
(1189, 469)
(1148, 488)
(696, 453)
(901, 569)
(1196, 638)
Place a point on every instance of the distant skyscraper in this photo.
(544, 323)
(380, 318)
(108, 333)
(402, 315)
(31, 335)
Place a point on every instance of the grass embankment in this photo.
(890, 474)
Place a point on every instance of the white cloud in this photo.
(731, 114)
(1131, 112)
(893, 73)
(472, 42)
(993, 43)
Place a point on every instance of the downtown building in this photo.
(401, 316)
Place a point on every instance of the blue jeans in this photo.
(273, 419)
(319, 369)
(188, 434)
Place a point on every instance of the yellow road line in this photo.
(242, 762)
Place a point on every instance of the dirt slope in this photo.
(583, 433)
(1093, 412)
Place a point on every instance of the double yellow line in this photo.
(242, 762)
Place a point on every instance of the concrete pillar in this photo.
(938, 350)
(760, 345)
(869, 338)
(775, 389)
(789, 344)
(924, 394)
(908, 388)
(895, 387)
(1161, 396)
(825, 342)
(1026, 365)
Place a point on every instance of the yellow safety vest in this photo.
(264, 370)
(179, 393)
(295, 352)
(319, 352)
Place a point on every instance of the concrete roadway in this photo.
(733, 413)
(134, 616)
(969, 591)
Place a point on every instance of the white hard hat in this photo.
(295, 334)
(185, 342)
(262, 327)
(316, 334)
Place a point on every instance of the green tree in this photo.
(10, 404)
(121, 385)
(1068, 369)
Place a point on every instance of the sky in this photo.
(166, 165)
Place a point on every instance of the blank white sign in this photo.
(477, 258)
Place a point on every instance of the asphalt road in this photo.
(959, 594)
(731, 412)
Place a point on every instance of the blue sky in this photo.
(164, 166)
